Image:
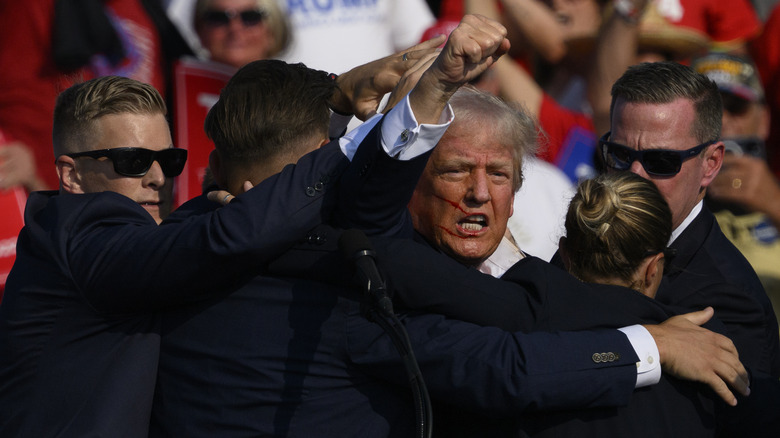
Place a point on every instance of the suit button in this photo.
(596, 357)
(611, 357)
(310, 191)
(318, 186)
(315, 239)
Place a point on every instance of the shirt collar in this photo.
(691, 216)
(503, 258)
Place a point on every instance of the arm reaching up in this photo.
(471, 49)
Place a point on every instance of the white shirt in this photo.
(336, 36)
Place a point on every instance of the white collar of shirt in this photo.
(503, 258)
(691, 216)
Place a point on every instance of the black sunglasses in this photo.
(658, 162)
(249, 17)
(137, 161)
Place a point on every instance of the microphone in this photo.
(356, 247)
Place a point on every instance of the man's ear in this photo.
(713, 160)
(323, 142)
(70, 181)
(512, 205)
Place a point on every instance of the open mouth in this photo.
(473, 223)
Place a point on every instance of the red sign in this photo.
(11, 222)
(196, 88)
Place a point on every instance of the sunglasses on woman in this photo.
(657, 162)
(137, 161)
(249, 17)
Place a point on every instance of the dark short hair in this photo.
(78, 107)
(665, 82)
(268, 108)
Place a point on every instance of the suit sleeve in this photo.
(123, 262)
(500, 373)
(384, 172)
(532, 295)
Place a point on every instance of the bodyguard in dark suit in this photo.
(666, 122)
(79, 323)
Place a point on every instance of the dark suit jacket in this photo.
(79, 339)
(537, 297)
(294, 358)
(708, 270)
(532, 295)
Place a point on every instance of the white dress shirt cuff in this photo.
(402, 137)
(648, 369)
(405, 139)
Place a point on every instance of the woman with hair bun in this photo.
(617, 229)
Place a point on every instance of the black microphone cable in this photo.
(356, 247)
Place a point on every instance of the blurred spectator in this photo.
(766, 54)
(546, 192)
(338, 35)
(745, 196)
(729, 24)
(237, 32)
(47, 45)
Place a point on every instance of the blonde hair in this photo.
(613, 223)
(78, 107)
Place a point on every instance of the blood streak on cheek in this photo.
(452, 203)
(457, 206)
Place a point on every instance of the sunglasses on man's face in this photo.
(249, 17)
(137, 161)
(657, 162)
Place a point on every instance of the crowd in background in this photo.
(565, 57)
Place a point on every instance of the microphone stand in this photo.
(379, 309)
(379, 314)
